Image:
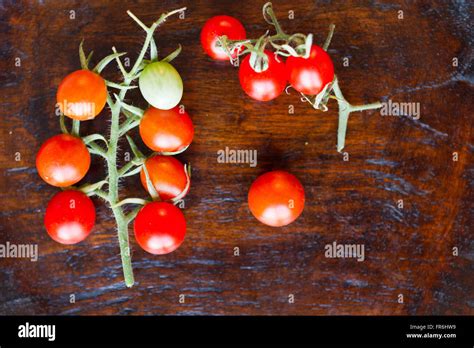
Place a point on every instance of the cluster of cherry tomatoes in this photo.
(160, 227)
(64, 159)
(166, 128)
(306, 75)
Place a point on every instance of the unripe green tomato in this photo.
(161, 85)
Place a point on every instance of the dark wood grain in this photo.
(408, 251)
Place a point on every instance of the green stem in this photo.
(128, 125)
(268, 10)
(125, 168)
(139, 201)
(62, 124)
(345, 109)
(101, 194)
(97, 150)
(122, 225)
(93, 137)
(122, 229)
(133, 214)
(329, 37)
(76, 124)
(111, 156)
(370, 106)
(122, 222)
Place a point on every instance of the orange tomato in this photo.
(63, 160)
(167, 176)
(166, 130)
(276, 198)
(82, 95)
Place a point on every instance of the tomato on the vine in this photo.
(220, 26)
(70, 216)
(310, 75)
(265, 85)
(160, 228)
(166, 130)
(63, 160)
(167, 176)
(161, 85)
(276, 198)
(82, 95)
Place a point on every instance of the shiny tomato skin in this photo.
(167, 175)
(70, 216)
(276, 198)
(63, 160)
(160, 228)
(219, 26)
(82, 95)
(166, 130)
(310, 75)
(265, 85)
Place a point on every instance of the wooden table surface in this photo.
(408, 251)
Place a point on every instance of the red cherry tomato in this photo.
(265, 85)
(219, 26)
(70, 216)
(63, 160)
(160, 228)
(166, 130)
(310, 75)
(276, 198)
(167, 175)
(82, 95)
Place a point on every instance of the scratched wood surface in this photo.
(408, 251)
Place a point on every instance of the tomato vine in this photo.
(107, 149)
(292, 46)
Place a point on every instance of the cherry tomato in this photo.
(310, 75)
(219, 26)
(265, 85)
(70, 216)
(276, 198)
(167, 175)
(160, 228)
(63, 160)
(166, 130)
(82, 95)
(161, 85)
